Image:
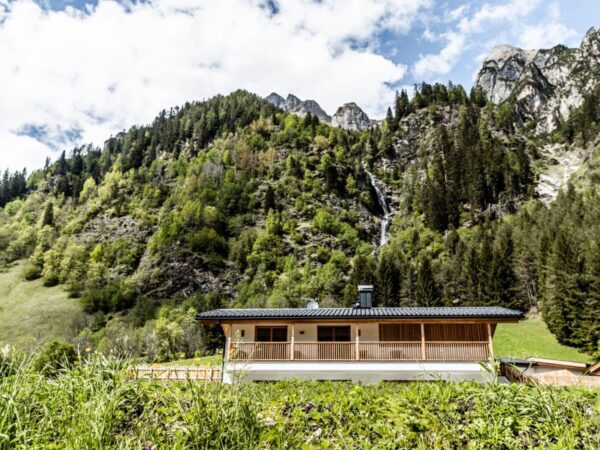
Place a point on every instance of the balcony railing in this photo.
(360, 351)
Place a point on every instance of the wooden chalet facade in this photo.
(361, 343)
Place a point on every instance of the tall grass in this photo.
(94, 406)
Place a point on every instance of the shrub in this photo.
(56, 357)
(32, 272)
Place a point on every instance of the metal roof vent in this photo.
(312, 304)
(365, 296)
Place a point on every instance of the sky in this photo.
(74, 72)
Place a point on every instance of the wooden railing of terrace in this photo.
(361, 351)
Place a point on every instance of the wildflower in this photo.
(87, 349)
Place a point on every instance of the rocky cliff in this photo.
(293, 104)
(351, 117)
(544, 84)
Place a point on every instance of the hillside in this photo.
(234, 202)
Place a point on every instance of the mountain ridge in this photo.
(349, 116)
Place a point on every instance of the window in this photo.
(271, 334)
(333, 334)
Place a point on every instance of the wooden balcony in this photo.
(360, 351)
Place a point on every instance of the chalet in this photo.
(360, 343)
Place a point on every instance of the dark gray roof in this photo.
(466, 312)
(517, 361)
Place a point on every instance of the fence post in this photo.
(423, 352)
(490, 341)
(293, 341)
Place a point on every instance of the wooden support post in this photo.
(356, 346)
(292, 340)
(490, 340)
(227, 331)
(423, 352)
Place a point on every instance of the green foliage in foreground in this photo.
(94, 406)
(532, 338)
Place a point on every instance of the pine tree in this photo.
(48, 217)
(470, 275)
(589, 329)
(503, 278)
(269, 203)
(427, 293)
(435, 196)
(387, 289)
(485, 275)
(390, 120)
(402, 106)
(561, 306)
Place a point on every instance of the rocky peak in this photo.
(293, 104)
(501, 69)
(545, 84)
(275, 99)
(351, 117)
(591, 42)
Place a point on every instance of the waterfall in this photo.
(385, 221)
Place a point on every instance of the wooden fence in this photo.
(175, 373)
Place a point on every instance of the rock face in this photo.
(351, 117)
(561, 162)
(293, 104)
(275, 99)
(544, 84)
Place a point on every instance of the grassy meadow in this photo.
(531, 337)
(93, 405)
(30, 312)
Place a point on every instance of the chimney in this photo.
(365, 296)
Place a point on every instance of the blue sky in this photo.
(78, 71)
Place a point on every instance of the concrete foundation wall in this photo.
(360, 371)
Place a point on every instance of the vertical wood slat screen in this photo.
(456, 332)
(399, 332)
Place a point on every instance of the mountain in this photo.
(293, 104)
(235, 201)
(544, 84)
(351, 117)
(348, 116)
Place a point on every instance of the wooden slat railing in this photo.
(322, 351)
(253, 351)
(390, 351)
(457, 351)
(363, 351)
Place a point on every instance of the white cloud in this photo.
(98, 72)
(509, 11)
(549, 33)
(442, 62)
(457, 13)
(457, 41)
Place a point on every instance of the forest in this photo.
(230, 202)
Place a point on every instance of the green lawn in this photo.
(531, 337)
(30, 312)
(211, 360)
